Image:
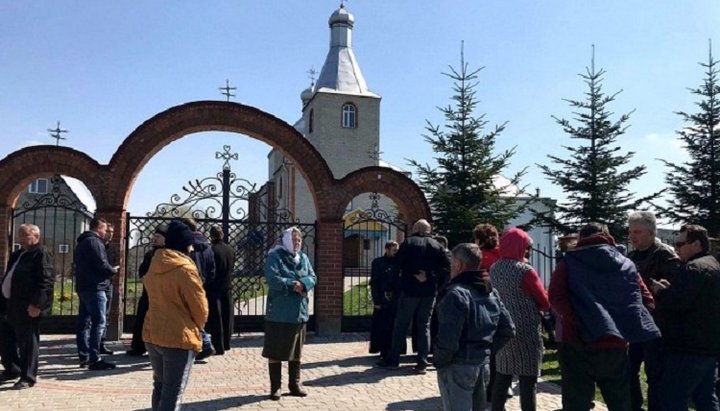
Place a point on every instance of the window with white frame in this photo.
(16, 246)
(39, 186)
(349, 115)
(63, 248)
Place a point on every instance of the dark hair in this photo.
(190, 222)
(216, 233)
(96, 222)
(696, 232)
(469, 254)
(486, 236)
(592, 228)
(390, 244)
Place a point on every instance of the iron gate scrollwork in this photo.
(252, 224)
(53, 206)
(365, 232)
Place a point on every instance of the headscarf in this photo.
(286, 244)
(513, 244)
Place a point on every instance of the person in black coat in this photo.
(26, 290)
(220, 318)
(384, 278)
(137, 346)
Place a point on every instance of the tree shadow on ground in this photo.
(430, 403)
(366, 376)
(221, 403)
(345, 362)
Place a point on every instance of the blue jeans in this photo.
(418, 309)
(463, 386)
(90, 324)
(685, 376)
(171, 371)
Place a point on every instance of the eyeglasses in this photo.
(680, 244)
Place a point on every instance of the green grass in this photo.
(357, 300)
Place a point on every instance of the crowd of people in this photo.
(474, 312)
(614, 311)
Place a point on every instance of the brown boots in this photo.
(296, 389)
(275, 369)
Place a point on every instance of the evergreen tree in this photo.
(695, 184)
(593, 177)
(462, 189)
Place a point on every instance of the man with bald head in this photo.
(423, 264)
(25, 291)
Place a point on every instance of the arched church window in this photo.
(349, 116)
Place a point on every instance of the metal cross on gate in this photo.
(227, 156)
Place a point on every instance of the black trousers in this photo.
(214, 324)
(227, 315)
(137, 344)
(584, 368)
(21, 346)
(528, 392)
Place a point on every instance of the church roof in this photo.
(341, 72)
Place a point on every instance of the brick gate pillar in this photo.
(5, 246)
(118, 219)
(329, 288)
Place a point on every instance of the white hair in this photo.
(32, 228)
(644, 218)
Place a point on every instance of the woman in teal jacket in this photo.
(289, 277)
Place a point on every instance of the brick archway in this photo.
(164, 128)
(111, 185)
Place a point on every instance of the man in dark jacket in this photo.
(653, 260)
(93, 273)
(688, 308)
(205, 261)
(26, 290)
(600, 300)
(137, 345)
(220, 319)
(472, 320)
(422, 262)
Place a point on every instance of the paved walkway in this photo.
(337, 373)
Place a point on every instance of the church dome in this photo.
(307, 94)
(341, 16)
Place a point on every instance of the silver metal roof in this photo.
(341, 72)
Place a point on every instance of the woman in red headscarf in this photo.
(525, 297)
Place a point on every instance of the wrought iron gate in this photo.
(51, 204)
(365, 232)
(252, 225)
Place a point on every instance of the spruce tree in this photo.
(594, 177)
(695, 184)
(462, 189)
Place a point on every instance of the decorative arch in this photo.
(164, 128)
(23, 166)
(395, 185)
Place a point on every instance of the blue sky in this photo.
(102, 68)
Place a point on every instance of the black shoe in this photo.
(298, 391)
(387, 364)
(101, 365)
(275, 395)
(84, 363)
(6, 376)
(135, 353)
(204, 354)
(105, 351)
(23, 384)
(421, 369)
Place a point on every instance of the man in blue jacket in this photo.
(472, 320)
(93, 273)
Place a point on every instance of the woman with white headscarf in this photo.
(289, 277)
